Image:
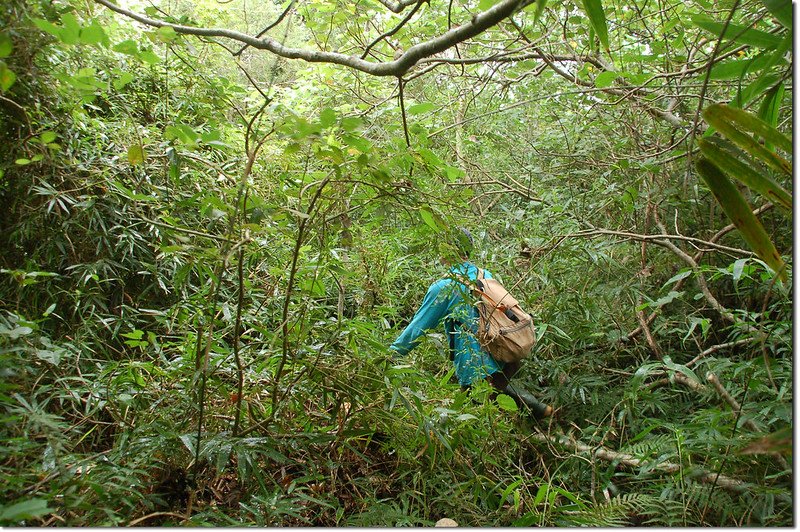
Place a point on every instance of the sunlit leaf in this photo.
(47, 137)
(740, 213)
(420, 108)
(128, 47)
(7, 77)
(506, 402)
(605, 79)
(428, 217)
(136, 154)
(6, 46)
(94, 34)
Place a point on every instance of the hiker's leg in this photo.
(524, 399)
(511, 368)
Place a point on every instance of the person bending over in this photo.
(449, 301)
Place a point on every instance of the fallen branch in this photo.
(719, 347)
(737, 408)
(630, 461)
(679, 378)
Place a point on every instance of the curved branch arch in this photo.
(477, 25)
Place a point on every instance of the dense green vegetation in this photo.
(208, 247)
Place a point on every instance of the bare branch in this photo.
(397, 7)
(394, 30)
(274, 23)
(660, 240)
(719, 347)
(477, 25)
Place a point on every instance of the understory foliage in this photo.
(205, 259)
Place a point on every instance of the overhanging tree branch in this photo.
(477, 25)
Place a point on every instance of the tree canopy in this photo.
(220, 214)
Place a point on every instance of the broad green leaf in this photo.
(47, 137)
(351, 123)
(737, 32)
(430, 221)
(597, 18)
(70, 29)
(755, 89)
(149, 57)
(30, 509)
(781, 10)
(131, 194)
(420, 108)
(605, 79)
(506, 403)
(483, 5)
(727, 161)
(739, 212)
(182, 133)
(431, 158)
(166, 34)
(136, 154)
(6, 46)
(94, 34)
(669, 298)
(327, 117)
(123, 79)
(731, 122)
(128, 47)
(7, 77)
(47, 27)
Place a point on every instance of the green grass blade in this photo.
(741, 215)
(714, 150)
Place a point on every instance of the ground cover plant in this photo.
(218, 216)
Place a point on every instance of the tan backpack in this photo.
(505, 331)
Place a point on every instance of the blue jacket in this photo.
(450, 301)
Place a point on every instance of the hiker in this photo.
(448, 300)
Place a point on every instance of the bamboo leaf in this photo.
(737, 32)
(781, 10)
(716, 152)
(768, 111)
(739, 212)
(597, 18)
(738, 68)
(728, 121)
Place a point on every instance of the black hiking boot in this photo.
(528, 403)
